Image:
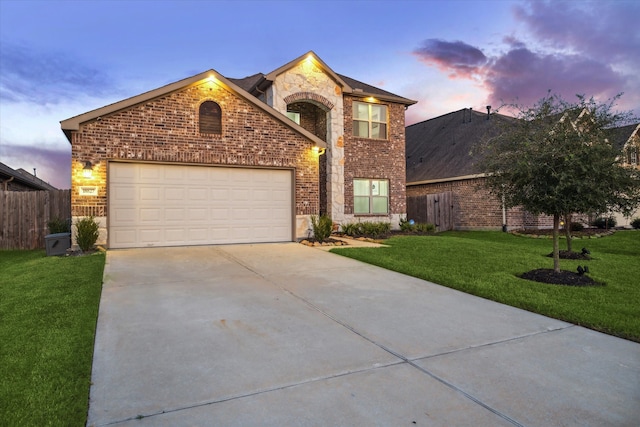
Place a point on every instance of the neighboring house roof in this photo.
(620, 136)
(258, 83)
(73, 123)
(441, 148)
(22, 177)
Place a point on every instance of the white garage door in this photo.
(169, 205)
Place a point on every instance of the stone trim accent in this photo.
(308, 96)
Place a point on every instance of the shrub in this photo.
(350, 229)
(604, 222)
(58, 225)
(368, 229)
(87, 233)
(375, 229)
(322, 227)
(406, 225)
(576, 226)
(427, 227)
(635, 223)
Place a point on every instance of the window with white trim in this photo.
(369, 120)
(370, 196)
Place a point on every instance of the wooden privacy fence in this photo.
(24, 216)
(434, 208)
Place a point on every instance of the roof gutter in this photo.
(451, 179)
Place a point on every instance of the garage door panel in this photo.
(124, 215)
(123, 192)
(150, 236)
(169, 205)
(174, 235)
(149, 173)
(174, 194)
(174, 214)
(150, 215)
(220, 194)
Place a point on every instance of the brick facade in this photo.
(166, 130)
(375, 158)
(475, 208)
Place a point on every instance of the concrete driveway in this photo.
(287, 335)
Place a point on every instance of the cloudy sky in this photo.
(59, 59)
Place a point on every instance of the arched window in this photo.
(210, 118)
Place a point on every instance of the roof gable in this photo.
(73, 123)
(258, 83)
(315, 60)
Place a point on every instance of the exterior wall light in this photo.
(87, 171)
(319, 151)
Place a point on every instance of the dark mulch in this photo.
(564, 277)
(584, 233)
(571, 255)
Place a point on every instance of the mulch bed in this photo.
(564, 277)
(571, 255)
(587, 233)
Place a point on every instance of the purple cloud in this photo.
(523, 74)
(461, 59)
(608, 30)
(581, 48)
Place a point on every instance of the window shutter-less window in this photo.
(210, 118)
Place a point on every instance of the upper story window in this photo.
(633, 156)
(370, 196)
(294, 116)
(369, 120)
(210, 118)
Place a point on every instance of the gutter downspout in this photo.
(6, 183)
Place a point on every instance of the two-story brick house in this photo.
(210, 159)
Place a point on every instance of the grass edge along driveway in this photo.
(48, 313)
(486, 264)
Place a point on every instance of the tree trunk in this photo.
(567, 230)
(556, 245)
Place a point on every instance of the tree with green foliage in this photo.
(556, 159)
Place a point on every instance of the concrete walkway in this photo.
(287, 335)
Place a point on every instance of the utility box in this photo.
(57, 244)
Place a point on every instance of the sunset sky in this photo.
(59, 59)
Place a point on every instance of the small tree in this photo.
(557, 160)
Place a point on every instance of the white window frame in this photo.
(294, 116)
(369, 120)
(373, 195)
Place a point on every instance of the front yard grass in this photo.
(48, 313)
(486, 264)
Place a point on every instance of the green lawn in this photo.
(48, 313)
(486, 264)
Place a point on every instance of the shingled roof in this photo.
(257, 83)
(619, 136)
(23, 178)
(441, 148)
